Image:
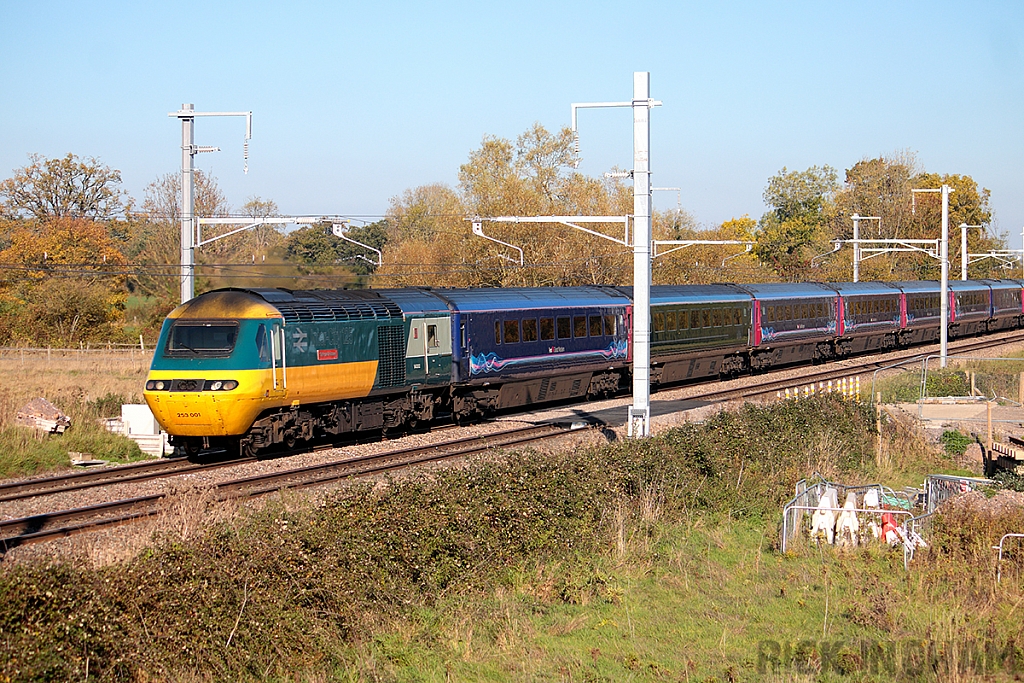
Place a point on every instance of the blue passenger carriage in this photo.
(870, 316)
(528, 345)
(970, 307)
(922, 314)
(1006, 304)
(698, 331)
(792, 323)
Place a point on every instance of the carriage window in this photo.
(768, 314)
(670, 321)
(579, 326)
(716, 317)
(547, 329)
(497, 331)
(737, 316)
(788, 313)
(705, 318)
(564, 327)
(595, 326)
(530, 330)
(511, 331)
(659, 322)
(609, 325)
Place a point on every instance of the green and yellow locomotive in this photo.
(248, 368)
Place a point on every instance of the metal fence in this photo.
(941, 487)
(808, 498)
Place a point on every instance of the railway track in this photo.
(868, 364)
(41, 527)
(136, 472)
(64, 523)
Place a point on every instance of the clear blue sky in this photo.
(355, 102)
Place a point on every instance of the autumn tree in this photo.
(68, 187)
(263, 238)
(156, 245)
(316, 249)
(429, 241)
(798, 224)
(64, 283)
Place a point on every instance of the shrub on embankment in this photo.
(285, 590)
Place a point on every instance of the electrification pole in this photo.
(944, 262)
(187, 115)
(965, 258)
(856, 242)
(188, 230)
(944, 338)
(640, 412)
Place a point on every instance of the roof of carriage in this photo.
(482, 299)
(866, 288)
(789, 290)
(665, 295)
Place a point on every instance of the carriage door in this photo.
(438, 338)
(278, 363)
(416, 352)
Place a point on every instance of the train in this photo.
(249, 369)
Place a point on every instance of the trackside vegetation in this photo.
(655, 560)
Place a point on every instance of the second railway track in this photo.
(43, 527)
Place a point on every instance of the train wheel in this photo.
(246, 448)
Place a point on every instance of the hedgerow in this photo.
(280, 590)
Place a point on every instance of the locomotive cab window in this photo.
(263, 343)
(204, 340)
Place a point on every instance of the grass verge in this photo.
(652, 560)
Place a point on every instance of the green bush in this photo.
(108, 405)
(955, 443)
(947, 383)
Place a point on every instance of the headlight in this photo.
(155, 385)
(220, 385)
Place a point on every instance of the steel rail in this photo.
(835, 372)
(52, 485)
(147, 471)
(33, 529)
